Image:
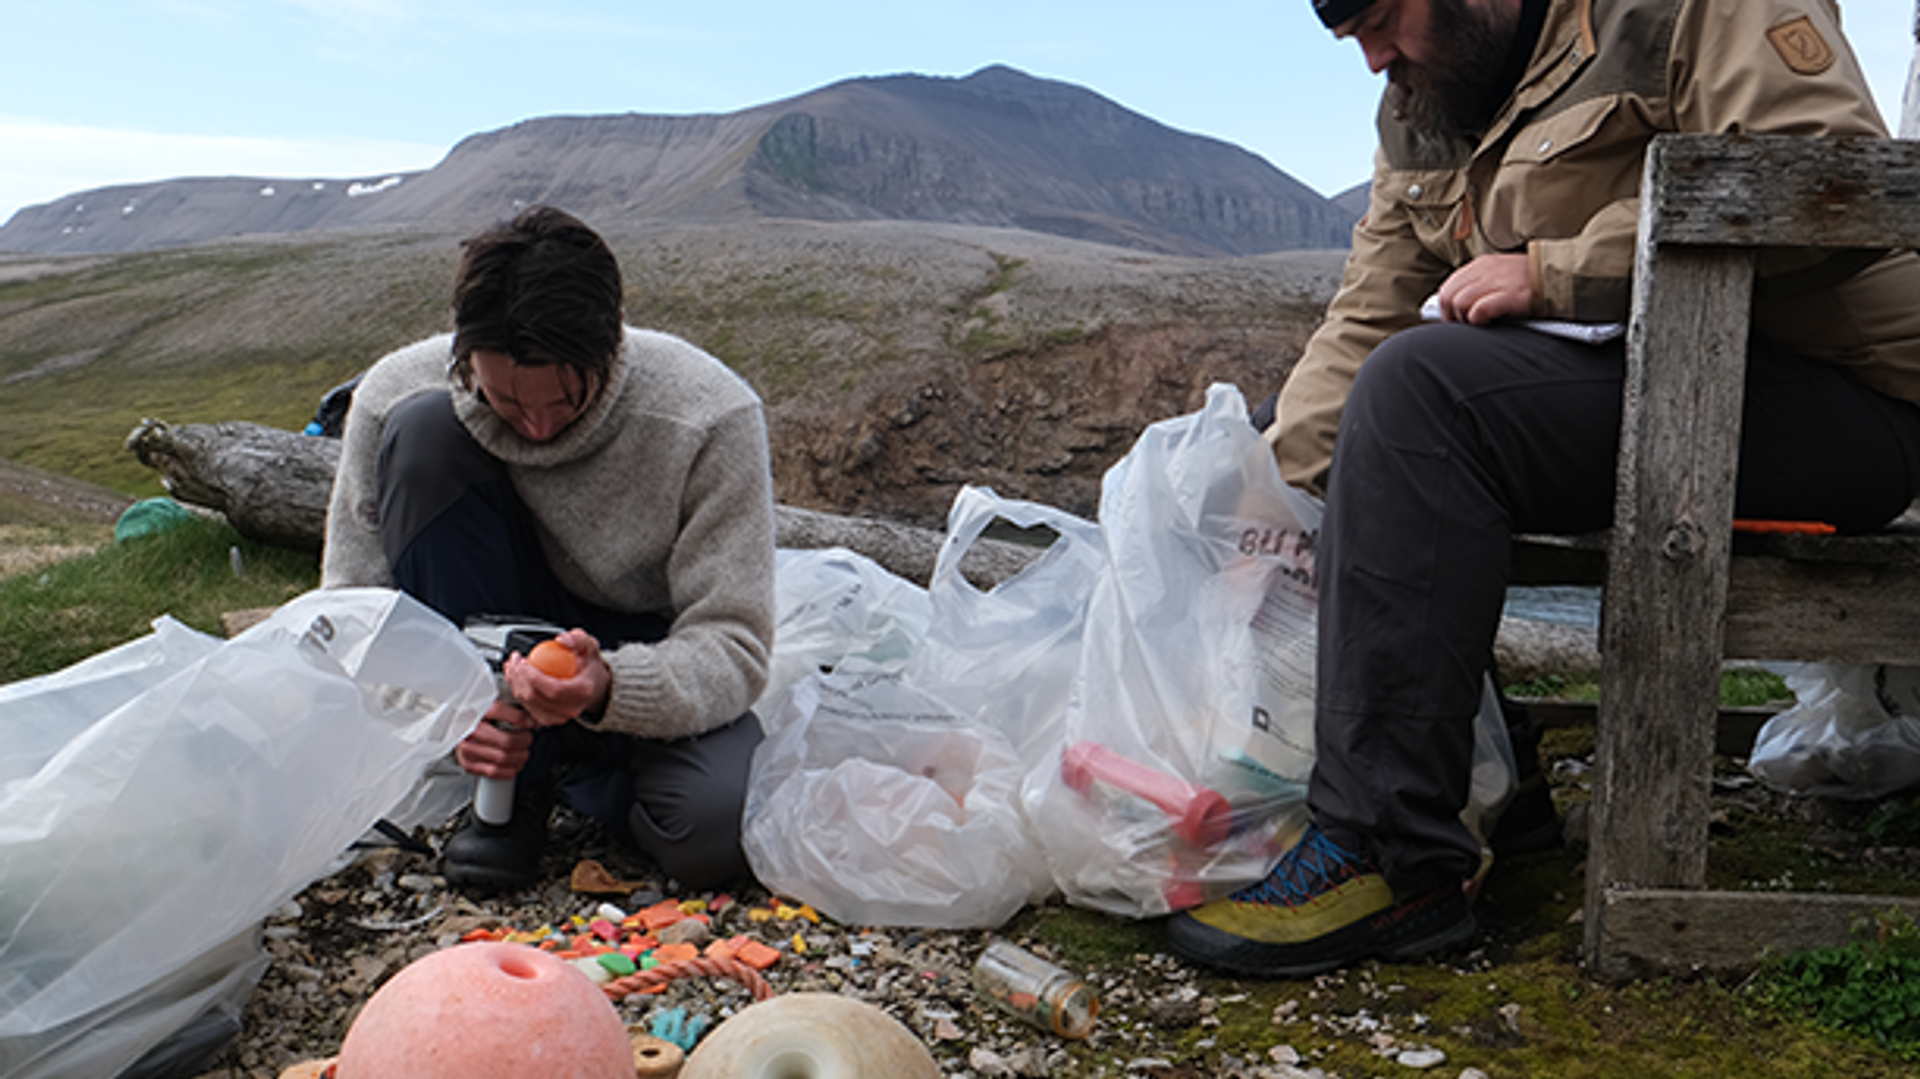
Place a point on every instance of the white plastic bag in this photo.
(1188, 738)
(879, 805)
(1852, 732)
(838, 610)
(137, 856)
(1006, 656)
(1187, 743)
(841, 812)
(1150, 676)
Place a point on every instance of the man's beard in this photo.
(1456, 94)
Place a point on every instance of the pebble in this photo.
(318, 977)
(1174, 1013)
(686, 931)
(1422, 1058)
(988, 1064)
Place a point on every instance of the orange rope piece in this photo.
(620, 988)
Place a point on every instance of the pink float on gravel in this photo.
(487, 1010)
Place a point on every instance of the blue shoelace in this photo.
(1315, 866)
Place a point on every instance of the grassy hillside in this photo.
(1048, 354)
(254, 331)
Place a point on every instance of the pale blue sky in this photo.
(99, 92)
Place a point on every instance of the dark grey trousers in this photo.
(459, 540)
(1454, 438)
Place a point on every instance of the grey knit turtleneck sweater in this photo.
(658, 498)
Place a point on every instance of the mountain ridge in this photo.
(997, 147)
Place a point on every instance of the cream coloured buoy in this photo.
(487, 1010)
(809, 1036)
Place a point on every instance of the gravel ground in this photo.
(343, 936)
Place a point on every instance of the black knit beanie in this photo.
(1334, 12)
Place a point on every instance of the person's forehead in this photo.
(503, 373)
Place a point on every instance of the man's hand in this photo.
(498, 747)
(550, 701)
(1489, 288)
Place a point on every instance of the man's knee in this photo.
(698, 845)
(688, 817)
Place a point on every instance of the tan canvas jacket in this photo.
(1558, 176)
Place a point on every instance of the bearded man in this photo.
(1506, 189)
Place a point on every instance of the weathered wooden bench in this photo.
(1681, 592)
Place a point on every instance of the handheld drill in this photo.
(497, 637)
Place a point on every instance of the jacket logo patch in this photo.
(1801, 46)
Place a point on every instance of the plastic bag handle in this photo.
(976, 508)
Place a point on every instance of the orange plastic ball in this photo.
(555, 659)
(487, 1010)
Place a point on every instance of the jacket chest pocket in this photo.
(1435, 202)
(1558, 171)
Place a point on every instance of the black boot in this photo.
(500, 857)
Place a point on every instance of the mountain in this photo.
(996, 148)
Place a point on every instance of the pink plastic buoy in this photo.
(487, 1010)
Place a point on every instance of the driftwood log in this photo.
(273, 486)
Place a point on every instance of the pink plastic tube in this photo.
(1200, 815)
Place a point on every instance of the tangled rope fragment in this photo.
(619, 988)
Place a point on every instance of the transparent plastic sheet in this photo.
(160, 832)
(880, 805)
(45, 713)
(1853, 732)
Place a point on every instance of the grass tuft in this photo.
(56, 616)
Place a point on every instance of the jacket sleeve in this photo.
(1777, 67)
(1389, 273)
(712, 665)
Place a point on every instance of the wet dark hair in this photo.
(543, 289)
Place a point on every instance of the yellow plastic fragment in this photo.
(799, 945)
(759, 914)
(693, 906)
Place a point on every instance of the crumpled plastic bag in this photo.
(178, 789)
(880, 805)
(1149, 676)
(839, 610)
(1853, 732)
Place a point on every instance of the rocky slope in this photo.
(898, 360)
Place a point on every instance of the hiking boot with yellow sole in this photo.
(1322, 907)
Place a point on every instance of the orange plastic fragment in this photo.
(673, 953)
(661, 914)
(757, 955)
(472, 935)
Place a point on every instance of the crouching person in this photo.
(546, 461)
